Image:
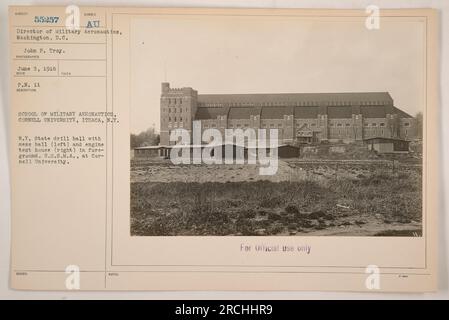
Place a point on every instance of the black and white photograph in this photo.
(206, 152)
(332, 112)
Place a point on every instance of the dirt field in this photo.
(350, 198)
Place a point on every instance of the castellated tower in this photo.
(178, 109)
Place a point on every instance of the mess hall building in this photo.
(300, 118)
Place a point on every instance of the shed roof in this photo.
(384, 139)
(339, 112)
(401, 113)
(211, 113)
(276, 112)
(306, 112)
(147, 148)
(373, 111)
(243, 112)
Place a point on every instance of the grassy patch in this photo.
(274, 208)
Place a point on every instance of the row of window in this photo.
(231, 126)
(382, 124)
(175, 125)
(174, 100)
(306, 125)
(174, 110)
(342, 132)
(289, 103)
(374, 124)
(175, 119)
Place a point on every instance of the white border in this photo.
(7, 293)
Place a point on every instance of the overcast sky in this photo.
(273, 55)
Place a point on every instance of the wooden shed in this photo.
(148, 152)
(387, 145)
(283, 151)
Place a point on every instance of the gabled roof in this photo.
(304, 127)
(276, 112)
(243, 112)
(373, 111)
(211, 113)
(306, 112)
(339, 112)
(401, 113)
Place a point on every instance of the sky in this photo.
(229, 54)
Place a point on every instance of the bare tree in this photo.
(419, 124)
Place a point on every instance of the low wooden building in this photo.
(284, 151)
(151, 152)
(387, 145)
(288, 151)
(227, 150)
(147, 152)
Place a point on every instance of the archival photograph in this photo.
(290, 127)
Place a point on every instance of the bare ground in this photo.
(316, 198)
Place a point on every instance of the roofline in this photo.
(406, 113)
(385, 138)
(281, 93)
(146, 147)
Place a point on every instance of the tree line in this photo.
(148, 137)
